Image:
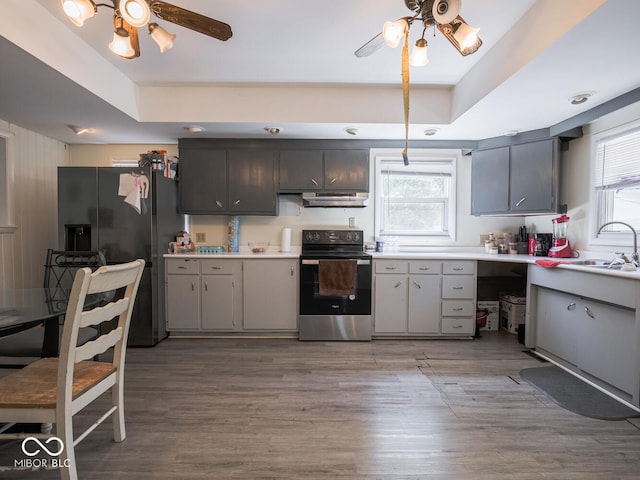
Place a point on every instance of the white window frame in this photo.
(416, 156)
(624, 237)
(7, 215)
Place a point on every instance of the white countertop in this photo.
(450, 255)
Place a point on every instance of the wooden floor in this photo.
(263, 409)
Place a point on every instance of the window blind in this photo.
(618, 161)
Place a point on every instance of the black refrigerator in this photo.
(98, 210)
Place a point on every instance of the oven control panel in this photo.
(332, 237)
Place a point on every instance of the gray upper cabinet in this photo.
(518, 179)
(203, 181)
(227, 181)
(301, 170)
(490, 181)
(336, 170)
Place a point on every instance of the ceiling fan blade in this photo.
(133, 34)
(372, 46)
(194, 21)
(449, 29)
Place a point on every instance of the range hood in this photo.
(334, 199)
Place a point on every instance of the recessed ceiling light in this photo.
(194, 129)
(352, 130)
(431, 131)
(510, 133)
(275, 131)
(82, 130)
(580, 98)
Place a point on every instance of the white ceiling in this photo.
(290, 64)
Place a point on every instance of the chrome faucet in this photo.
(634, 256)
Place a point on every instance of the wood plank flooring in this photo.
(388, 409)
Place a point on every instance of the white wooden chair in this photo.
(53, 390)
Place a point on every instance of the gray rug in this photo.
(575, 395)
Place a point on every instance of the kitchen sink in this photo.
(598, 263)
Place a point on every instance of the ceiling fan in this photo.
(130, 15)
(443, 14)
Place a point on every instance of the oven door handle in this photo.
(316, 262)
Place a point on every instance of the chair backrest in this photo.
(60, 270)
(123, 278)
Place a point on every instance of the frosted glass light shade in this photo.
(79, 11)
(121, 44)
(393, 32)
(135, 12)
(418, 56)
(163, 38)
(466, 36)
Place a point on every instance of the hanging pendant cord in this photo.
(405, 93)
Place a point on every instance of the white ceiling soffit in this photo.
(305, 79)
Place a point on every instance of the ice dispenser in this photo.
(77, 237)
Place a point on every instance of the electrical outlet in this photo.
(201, 237)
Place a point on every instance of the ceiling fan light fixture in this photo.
(445, 11)
(163, 38)
(419, 56)
(135, 12)
(79, 11)
(466, 35)
(121, 43)
(393, 32)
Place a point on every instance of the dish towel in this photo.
(133, 188)
(337, 277)
(551, 263)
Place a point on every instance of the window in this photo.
(415, 203)
(617, 179)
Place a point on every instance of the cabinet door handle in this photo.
(458, 288)
(589, 312)
(397, 285)
(219, 203)
(390, 268)
(332, 181)
(521, 201)
(571, 307)
(237, 202)
(417, 284)
(206, 286)
(193, 286)
(314, 181)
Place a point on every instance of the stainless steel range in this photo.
(335, 286)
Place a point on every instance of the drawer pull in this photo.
(216, 268)
(390, 268)
(457, 326)
(182, 267)
(424, 269)
(458, 288)
(417, 284)
(458, 309)
(458, 269)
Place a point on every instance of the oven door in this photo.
(312, 303)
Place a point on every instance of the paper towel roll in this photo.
(285, 244)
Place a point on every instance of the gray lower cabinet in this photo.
(203, 295)
(336, 170)
(516, 179)
(231, 295)
(588, 323)
(424, 297)
(270, 293)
